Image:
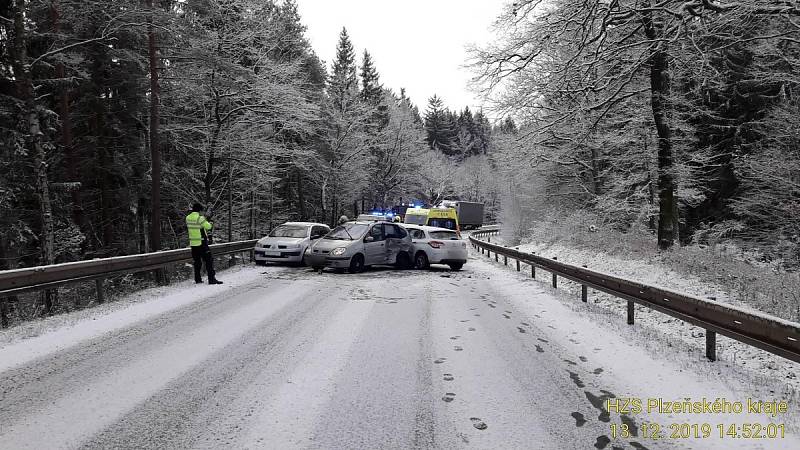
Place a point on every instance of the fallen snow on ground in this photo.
(28, 341)
(780, 374)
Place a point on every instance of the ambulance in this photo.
(433, 217)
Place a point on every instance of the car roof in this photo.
(305, 223)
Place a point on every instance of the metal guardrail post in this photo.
(711, 345)
(630, 312)
(517, 249)
(584, 291)
(101, 296)
(505, 260)
(533, 268)
(555, 277)
(496, 257)
(4, 312)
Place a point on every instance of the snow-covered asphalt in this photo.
(287, 358)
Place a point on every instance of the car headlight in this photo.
(338, 251)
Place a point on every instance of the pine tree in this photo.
(439, 126)
(343, 85)
(372, 92)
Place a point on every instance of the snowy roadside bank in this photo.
(684, 340)
(39, 337)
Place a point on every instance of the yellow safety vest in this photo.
(196, 223)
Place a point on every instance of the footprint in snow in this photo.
(465, 320)
(453, 338)
(492, 306)
(449, 397)
(543, 340)
(572, 363)
(470, 329)
(458, 348)
(579, 419)
(521, 330)
(440, 360)
(597, 371)
(448, 377)
(583, 358)
(539, 348)
(525, 324)
(506, 316)
(602, 442)
(478, 423)
(508, 312)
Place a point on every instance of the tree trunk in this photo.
(301, 200)
(155, 148)
(667, 205)
(22, 72)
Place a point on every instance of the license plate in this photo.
(272, 253)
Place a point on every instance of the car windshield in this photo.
(348, 231)
(290, 231)
(444, 235)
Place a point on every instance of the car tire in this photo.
(403, 261)
(261, 263)
(356, 263)
(421, 261)
(456, 266)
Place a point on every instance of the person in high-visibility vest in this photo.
(199, 227)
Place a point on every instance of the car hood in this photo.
(330, 244)
(280, 241)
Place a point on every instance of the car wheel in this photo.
(356, 263)
(261, 263)
(403, 261)
(456, 266)
(421, 261)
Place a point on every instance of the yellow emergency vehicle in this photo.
(433, 217)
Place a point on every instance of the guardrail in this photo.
(775, 335)
(16, 281)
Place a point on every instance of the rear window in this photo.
(444, 235)
(450, 224)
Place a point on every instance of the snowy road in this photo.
(286, 358)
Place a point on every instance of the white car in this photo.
(287, 243)
(433, 245)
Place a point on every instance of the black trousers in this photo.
(201, 254)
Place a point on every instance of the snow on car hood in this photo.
(280, 241)
(330, 244)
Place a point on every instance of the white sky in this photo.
(416, 44)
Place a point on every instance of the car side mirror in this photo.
(369, 239)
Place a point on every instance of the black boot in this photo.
(198, 281)
(214, 281)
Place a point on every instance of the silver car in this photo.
(287, 243)
(355, 245)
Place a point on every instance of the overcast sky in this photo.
(416, 44)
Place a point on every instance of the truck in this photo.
(470, 214)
